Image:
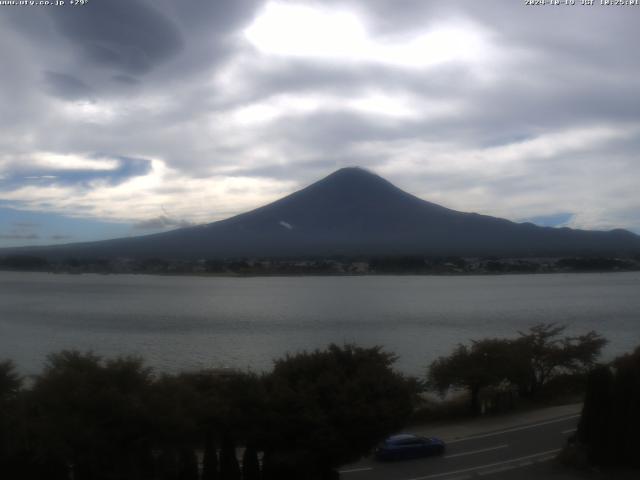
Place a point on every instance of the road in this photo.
(489, 455)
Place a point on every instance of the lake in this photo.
(179, 323)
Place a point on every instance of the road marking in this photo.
(571, 430)
(514, 429)
(497, 470)
(475, 451)
(462, 454)
(545, 459)
(354, 470)
(487, 466)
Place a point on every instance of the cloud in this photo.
(553, 220)
(20, 231)
(25, 224)
(144, 195)
(301, 31)
(161, 222)
(19, 236)
(48, 168)
(67, 86)
(129, 37)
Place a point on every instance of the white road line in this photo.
(462, 454)
(489, 465)
(475, 451)
(492, 471)
(571, 430)
(545, 459)
(354, 470)
(514, 429)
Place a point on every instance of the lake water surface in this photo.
(180, 323)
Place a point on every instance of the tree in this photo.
(227, 402)
(92, 414)
(250, 464)
(541, 354)
(229, 466)
(327, 408)
(528, 362)
(10, 385)
(210, 459)
(625, 419)
(10, 381)
(610, 420)
(595, 419)
(188, 469)
(226, 405)
(174, 406)
(483, 363)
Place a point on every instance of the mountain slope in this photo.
(354, 212)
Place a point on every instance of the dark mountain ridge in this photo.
(353, 212)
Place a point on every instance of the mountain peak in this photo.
(352, 171)
(354, 179)
(355, 174)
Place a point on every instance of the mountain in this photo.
(354, 212)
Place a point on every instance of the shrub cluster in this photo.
(527, 364)
(610, 421)
(87, 418)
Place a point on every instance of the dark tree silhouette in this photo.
(528, 362)
(168, 464)
(541, 354)
(188, 464)
(10, 381)
(610, 418)
(10, 385)
(229, 466)
(91, 414)
(250, 464)
(596, 414)
(327, 408)
(210, 459)
(484, 363)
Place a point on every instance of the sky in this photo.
(127, 117)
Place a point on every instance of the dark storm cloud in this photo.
(126, 79)
(66, 86)
(129, 36)
(219, 16)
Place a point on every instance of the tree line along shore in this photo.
(84, 417)
(418, 265)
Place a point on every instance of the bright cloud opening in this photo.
(47, 160)
(144, 197)
(314, 32)
(376, 103)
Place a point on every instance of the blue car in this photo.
(405, 445)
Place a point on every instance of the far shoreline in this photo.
(321, 275)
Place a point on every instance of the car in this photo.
(406, 445)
